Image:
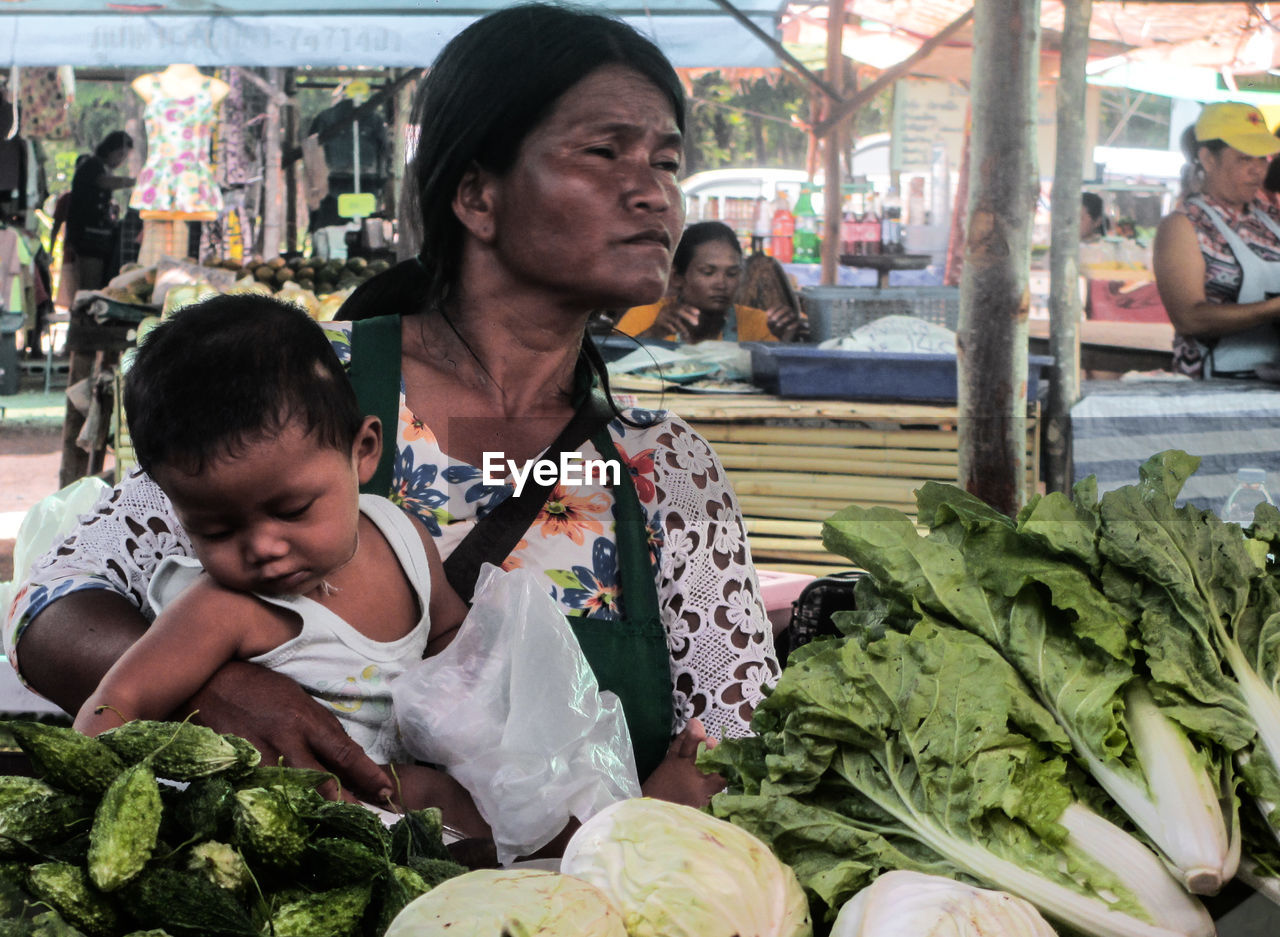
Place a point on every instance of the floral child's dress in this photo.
(178, 175)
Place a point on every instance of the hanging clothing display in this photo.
(43, 103)
(178, 175)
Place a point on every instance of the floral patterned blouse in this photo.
(178, 173)
(721, 643)
(1222, 273)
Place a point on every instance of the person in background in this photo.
(705, 276)
(544, 188)
(1217, 255)
(1093, 218)
(240, 410)
(92, 231)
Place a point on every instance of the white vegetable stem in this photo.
(1183, 815)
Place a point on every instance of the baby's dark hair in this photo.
(229, 370)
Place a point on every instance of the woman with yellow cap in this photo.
(1217, 255)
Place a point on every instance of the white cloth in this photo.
(342, 668)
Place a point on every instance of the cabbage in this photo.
(516, 902)
(913, 904)
(678, 872)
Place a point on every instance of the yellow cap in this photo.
(1240, 126)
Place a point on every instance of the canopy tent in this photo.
(389, 33)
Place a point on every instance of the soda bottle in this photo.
(784, 229)
(1249, 493)
(848, 226)
(806, 225)
(891, 223)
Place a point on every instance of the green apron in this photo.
(629, 656)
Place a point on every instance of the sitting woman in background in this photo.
(1093, 218)
(705, 275)
(1217, 255)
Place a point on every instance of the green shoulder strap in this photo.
(375, 374)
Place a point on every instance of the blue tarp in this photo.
(401, 33)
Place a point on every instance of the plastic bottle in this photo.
(848, 225)
(891, 223)
(807, 245)
(784, 229)
(1250, 492)
(871, 223)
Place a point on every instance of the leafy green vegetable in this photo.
(1038, 590)
(925, 751)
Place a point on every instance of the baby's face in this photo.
(276, 517)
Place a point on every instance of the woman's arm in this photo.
(1180, 272)
(720, 638)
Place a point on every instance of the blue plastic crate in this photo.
(835, 311)
(805, 371)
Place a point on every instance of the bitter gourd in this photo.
(266, 827)
(180, 751)
(186, 904)
(66, 758)
(333, 913)
(67, 889)
(125, 827)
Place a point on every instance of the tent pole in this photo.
(992, 338)
(272, 200)
(1064, 245)
(833, 141)
(291, 171)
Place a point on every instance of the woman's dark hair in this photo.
(704, 232)
(115, 140)
(1192, 170)
(1092, 203)
(488, 89)
(227, 370)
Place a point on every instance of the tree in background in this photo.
(756, 117)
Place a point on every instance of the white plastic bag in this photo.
(512, 711)
(44, 524)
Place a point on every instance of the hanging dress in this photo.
(178, 174)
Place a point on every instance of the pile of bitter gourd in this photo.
(159, 828)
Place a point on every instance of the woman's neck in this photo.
(524, 362)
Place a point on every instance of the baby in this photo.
(240, 411)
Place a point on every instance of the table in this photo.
(793, 463)
(884, 264)
(1117, 425)
(1113, 346)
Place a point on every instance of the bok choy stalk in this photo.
(926, 752)
(1210, 623)
(1034, 590)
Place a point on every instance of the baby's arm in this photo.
(447, 608)
(201, 630)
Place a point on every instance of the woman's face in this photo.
(590, 213)
(711, 281)
(1231, 176)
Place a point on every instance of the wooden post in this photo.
(402, 111)
(834, 142)
(1064, 246)
(291, 171)
(272, 183)
(994, 298)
